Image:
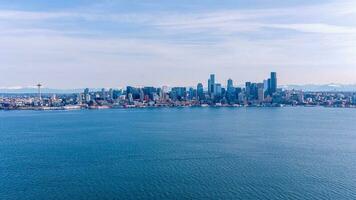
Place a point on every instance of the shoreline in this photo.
(167, 107)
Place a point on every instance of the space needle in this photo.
(39, 93)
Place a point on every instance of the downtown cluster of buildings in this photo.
(264, 93)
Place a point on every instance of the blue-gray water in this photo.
(189, 153)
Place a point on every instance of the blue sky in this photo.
(81, 43)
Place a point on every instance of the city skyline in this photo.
(264, 93)
(207, 86)
(77, 44)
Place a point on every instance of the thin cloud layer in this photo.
(87, 47)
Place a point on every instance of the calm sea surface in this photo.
(187, 153)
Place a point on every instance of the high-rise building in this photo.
(209, 88)
(164, 93)
(103, 93)
(111, 94)
(273, 83)
(200, 91)
(217, 89)
(230, 85)
(265, 85)
(248, 89)
(211, 83)
(149, 91)
(192, 93)
(116, 94)
(130, 98)
(354, 99)
(142, 94)
(230, 91)
(135, 92)
(241, 97)
(260, 92)
(253, 91)
(86, 91)
(178, 93)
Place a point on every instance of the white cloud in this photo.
(246, 45)
(316, 28)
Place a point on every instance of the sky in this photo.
(114, 43)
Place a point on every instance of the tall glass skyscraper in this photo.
(230, 85)
(273, 83)
(211, 84)
(200, 91)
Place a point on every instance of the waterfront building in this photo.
(301, 97)
(238, 90)
(142, 95)
(354, 99)
(163, 93)
(111, 94)
(116, 94)
(150, 92)
(87, 98)
(241, 97)
(200, 91)
(135, 92)
(130, 98)
(178, 93)
(103, 93)
(252, 95)
(86, 91)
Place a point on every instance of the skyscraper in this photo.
(164, 93)
(111, 94)
(230, 85)
(230, 91)
(178, 93)
(260, 92)
(248, 89)
(135, 92)
(200, 91)
(211, 84)
(217, 89)
(86, 91)
(273, 83)
(103, 93)
(192, 93)
(354, 99)
(209, 88)
(269, 86)
(251, 91)
(265, 85)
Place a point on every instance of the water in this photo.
(188, 153)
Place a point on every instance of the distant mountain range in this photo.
(28, 90)
(307, 87)
(322, 88)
